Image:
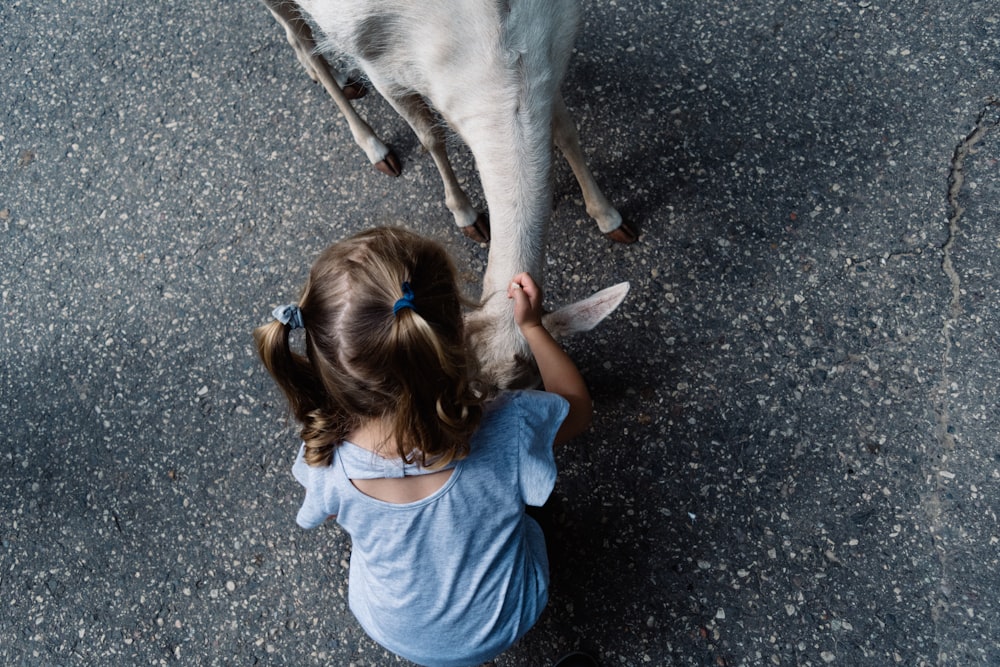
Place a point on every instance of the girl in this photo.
(402, 446)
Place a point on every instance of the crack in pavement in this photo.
(988, 120)
(956, 178)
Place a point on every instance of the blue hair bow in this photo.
(290, 315)
(405, 301)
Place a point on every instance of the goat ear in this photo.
(586, 314)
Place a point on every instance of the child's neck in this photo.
(375, 435)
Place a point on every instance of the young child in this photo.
(426, 472)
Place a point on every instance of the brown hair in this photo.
(364, 362)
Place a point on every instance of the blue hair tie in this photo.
(290, 315)
(405, 301)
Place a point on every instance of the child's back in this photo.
(457, 577)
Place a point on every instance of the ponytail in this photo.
(295, 375)
(438, 409)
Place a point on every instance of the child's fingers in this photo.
(526, 283)
(515, 292)
(527, 298)
(521, 300)
(522, 306)
(519, 283)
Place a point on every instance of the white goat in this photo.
(492, 70)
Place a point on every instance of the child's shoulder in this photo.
(526, 405)
(517, 398)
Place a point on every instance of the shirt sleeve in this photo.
(542, 414)
(321, 498)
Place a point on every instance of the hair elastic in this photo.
(405, 301)
(289, 315)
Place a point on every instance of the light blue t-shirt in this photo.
(454, 579)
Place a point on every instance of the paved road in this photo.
(794, 460)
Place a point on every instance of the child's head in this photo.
(376, 349)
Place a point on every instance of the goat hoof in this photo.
(389, 165)
(623, 234)
(479, 231)
(354, 89)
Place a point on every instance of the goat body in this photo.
(492, 70)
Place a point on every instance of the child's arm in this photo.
(559, 373)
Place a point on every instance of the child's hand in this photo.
(559, 374)
(527, 301)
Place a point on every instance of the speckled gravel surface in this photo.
(795, 457)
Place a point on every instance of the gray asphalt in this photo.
(795, 456)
